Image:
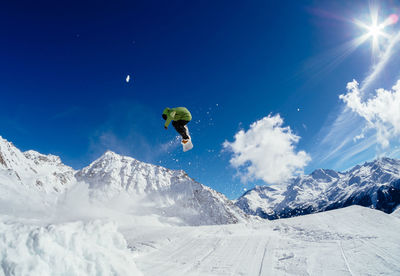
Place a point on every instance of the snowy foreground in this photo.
(350, 241)
(120, 216)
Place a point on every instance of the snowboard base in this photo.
(187, 146)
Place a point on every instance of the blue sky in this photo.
(231, 63)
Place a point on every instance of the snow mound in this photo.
(78, 248)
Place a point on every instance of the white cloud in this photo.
(128, 77)
(267, 151)
(381, 112)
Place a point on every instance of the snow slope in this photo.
(155, 190)
(375, 184)
(348, 241)
(396, 213)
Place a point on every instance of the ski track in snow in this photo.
(262, 259)
(344, 258)
(350, 241)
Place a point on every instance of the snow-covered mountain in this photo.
(158, 191)
(142, 188)
(375, 184)
(33, 170)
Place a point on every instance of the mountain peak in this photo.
(110, 154)
(381, 161)
(33, 169)
(4, 140)
(10, 156)
(115, 172)
(38, 157)
(379, 166)
(170, 192)
(324, 174)
(387, 161)
(111, 161)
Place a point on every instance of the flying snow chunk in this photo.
(128, 78)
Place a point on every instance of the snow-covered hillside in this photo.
(375, 184)
(396, 213)
(349, 241)
(160, 191)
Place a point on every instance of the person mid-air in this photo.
(180, 117)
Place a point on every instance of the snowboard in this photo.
(187, 146)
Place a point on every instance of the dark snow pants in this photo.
(181, 128)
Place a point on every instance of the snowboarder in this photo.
(180, 117)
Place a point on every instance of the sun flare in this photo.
(375, 31)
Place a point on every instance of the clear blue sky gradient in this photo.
(63, 68)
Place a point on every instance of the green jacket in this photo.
(176, 114)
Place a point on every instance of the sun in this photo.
(375, 30)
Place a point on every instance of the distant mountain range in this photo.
(173, 196)
(375, 184)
